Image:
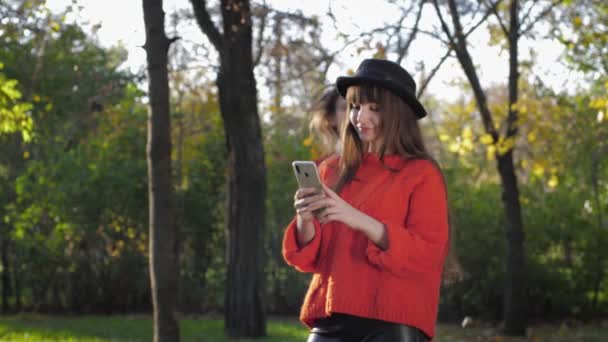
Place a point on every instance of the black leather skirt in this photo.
(348, 328)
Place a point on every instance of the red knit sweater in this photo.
(351, 274)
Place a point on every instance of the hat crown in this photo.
(387, 71)
(385, 74)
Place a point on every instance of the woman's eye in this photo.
(374, 108)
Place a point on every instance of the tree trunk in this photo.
(6, 280)
(243, 306)
(244, 310)
(16, 281)
(163, 243)
(599, 261)
(277, 55)
(515, 298)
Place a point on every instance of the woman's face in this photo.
(365, 117)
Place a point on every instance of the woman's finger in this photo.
(304, 192)
(330, 192)
(327, 218)
(308, 200)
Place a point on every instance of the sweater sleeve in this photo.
(420, 243)
(304, 258)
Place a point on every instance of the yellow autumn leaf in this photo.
(55, 26)
(308, 141)
(26, 136)
(598, 103)
(531, 137)
(491, 152)
(131, 234)
(538, 169)
(467, 133)
(467, 145)
(315, 153)
(503, 146)
(26, 155)
(514, 106)
(486, 139)
(553, 181)
(444, 137)
(454, 147)
(523, 110)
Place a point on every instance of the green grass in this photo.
(39, 328)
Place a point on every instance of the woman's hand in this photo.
(337, 209)
(305, 202)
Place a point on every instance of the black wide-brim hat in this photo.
(386, 74)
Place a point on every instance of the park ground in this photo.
(42, 328)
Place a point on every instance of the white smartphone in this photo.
(307, 175)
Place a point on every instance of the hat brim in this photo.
(343, 82)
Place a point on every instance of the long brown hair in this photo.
(401, 135)
(323, 110)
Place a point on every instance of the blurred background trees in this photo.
(73, 185)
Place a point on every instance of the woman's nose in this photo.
(363, 114)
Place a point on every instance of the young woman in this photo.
(327, 114)
(377, 248)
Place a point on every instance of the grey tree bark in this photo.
(162, 235)
(243, 304)
(515, 296)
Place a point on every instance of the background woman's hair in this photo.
(402, 136)
(323, 110)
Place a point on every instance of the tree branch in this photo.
(427, 80)
(483, 19)
(402, 50)
(466, 61)
(206, 24)
(444, 25)
(542, 14)
(260, 40)
(513, 69)
(493, 9)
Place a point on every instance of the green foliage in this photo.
(583, 30)
(284, 143)
(565, 221)
(200, 218)
(78, 239)
(14, 114)
(477, 222)
(73, 201)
